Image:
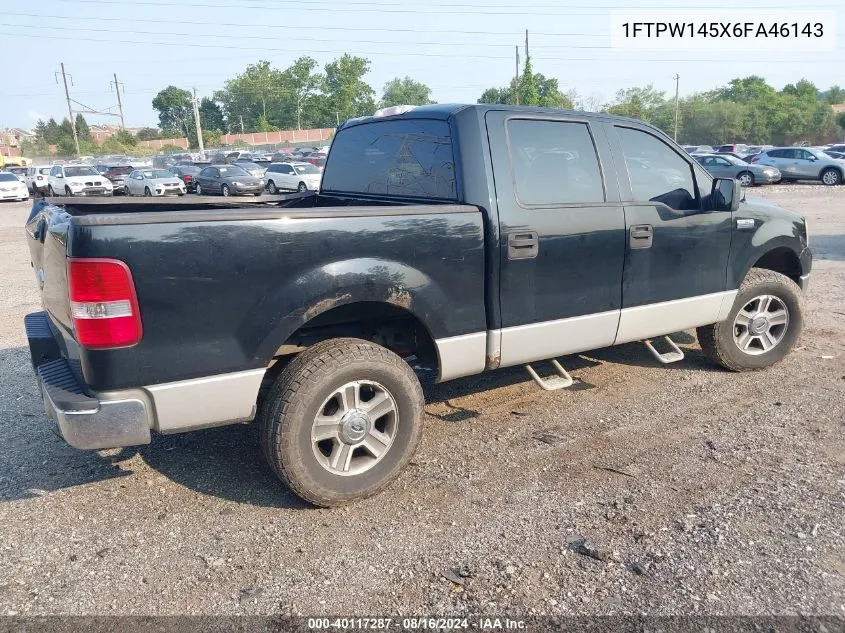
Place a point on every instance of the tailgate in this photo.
(46, 234)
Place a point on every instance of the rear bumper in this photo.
(126, 417)
(86, 421)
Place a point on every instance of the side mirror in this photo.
(726, 194)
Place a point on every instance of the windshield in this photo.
(44, 170)
(70, 172)
(232, 170)
(119, 170)
(18, 170)
(306, 169)
(189, 169)
(7, 177)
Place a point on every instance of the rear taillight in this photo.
(187, 178)
(103, 303)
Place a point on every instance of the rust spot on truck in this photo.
(325, 304)
(493, 360)
(399, 297)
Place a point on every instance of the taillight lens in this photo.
(187, 178)
(103, 303)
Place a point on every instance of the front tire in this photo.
(341, 421)
(50, 191)
(746, 179)
(147, 192)
(830, 177)
(225, 190)
(271, 187)
(302, 188)
(763, 326)
(68, 192)
(198, 190)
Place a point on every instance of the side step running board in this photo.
(561, 381)
(672, 356)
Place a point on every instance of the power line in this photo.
(393, 53)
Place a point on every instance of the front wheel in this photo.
(199, 190)
(50, 191)
(341, 421)
(831, 177)
(302, 187)
(763, 326)
(68, 192)
(147, 192)
(271, 187)
(746, 179)
(127, 191)
(225, 190)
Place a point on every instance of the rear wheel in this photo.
(831, 177)
(763, 326)
(302, 187)
(341, 421)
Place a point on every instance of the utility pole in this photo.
(516, 88)
(195, 103)
(677, 78)
(526, 43)
(69, 108)
(117, 86)
(242, 124)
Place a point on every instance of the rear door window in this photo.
(553, 162)
(405, 157)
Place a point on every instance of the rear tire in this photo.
(734, 343)
(830, 177)
(325, 389)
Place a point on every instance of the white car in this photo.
(11, 188)
(294, 176)
(77, 180)
(153, 182)
(36, 178)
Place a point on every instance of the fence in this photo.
(253, 138)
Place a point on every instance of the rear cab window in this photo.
(402, 157)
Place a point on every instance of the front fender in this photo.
(774, 228)
(331, 285)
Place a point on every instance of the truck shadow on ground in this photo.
(224, 462)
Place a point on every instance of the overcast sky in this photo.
(458, 47)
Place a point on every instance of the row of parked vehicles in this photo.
(766, 164)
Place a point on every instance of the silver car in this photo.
(729, 166)
(803, 163)
(153, 182)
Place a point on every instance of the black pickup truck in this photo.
(454, 238)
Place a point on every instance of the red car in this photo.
(188, 175)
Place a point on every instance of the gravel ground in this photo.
(679, 489)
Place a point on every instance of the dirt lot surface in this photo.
(645, 489)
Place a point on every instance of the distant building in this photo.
(11, 139)
(839, 108)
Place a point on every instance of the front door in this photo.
(677, 249)
(562, 235)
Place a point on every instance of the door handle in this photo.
(523, 245)
(641, 236)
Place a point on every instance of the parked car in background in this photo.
(692, 149)
(735, 148)
(19, 172)
(252, 168)
(188, 175)
(803, 163)
(836, 148)
(153, 182)
(228, 180)
(163, 162)
(77, 180)
(730, 166)
(117, 175)
(281, 157)
(36, 178)
(295, 176)
(836, 155)
(11, 187)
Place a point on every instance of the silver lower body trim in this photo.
(804, 282)
(207, 401)
(461, 355)
(537, 341)
(658, 319)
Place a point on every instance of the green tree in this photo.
(83, 132)
(346, 93)
(503, 96)
(263, 125)
(301, 85)
(175, 111)
(52, 132)
(833, 95)
(211, 115)
(549, 94)
(256, 92)
(126, 138)
(149, 134)
(528, 92)
(405, 92)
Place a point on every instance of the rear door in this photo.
(676, 249)
(562, 235)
